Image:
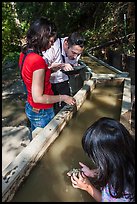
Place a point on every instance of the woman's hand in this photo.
(68, 99)
(81, 181)
(87, 171)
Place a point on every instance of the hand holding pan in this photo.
(76, 70)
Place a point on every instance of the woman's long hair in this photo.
(109, 144)
(38, 35)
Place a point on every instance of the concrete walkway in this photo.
(14, 140)
(14, 124)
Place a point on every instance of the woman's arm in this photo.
(38, 89)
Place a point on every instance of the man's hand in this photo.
(66, 67)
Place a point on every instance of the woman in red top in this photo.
(36, 75)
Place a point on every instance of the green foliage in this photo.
(10, 31)
(110, 26)
(11, 59)
(98, 21)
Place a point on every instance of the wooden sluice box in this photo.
(14, 175)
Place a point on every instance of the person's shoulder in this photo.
(21, 55)
(63, 39)
(56, 43)
(52, 50)
(35, 57)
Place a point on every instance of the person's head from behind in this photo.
(41, 34)
(74, 45)
(111, 147)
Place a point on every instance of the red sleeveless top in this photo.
(32, 63)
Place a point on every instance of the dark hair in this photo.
(76, 39)
(39, 33)
(111, 147)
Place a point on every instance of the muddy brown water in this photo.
(96, 67)
(48, 180)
